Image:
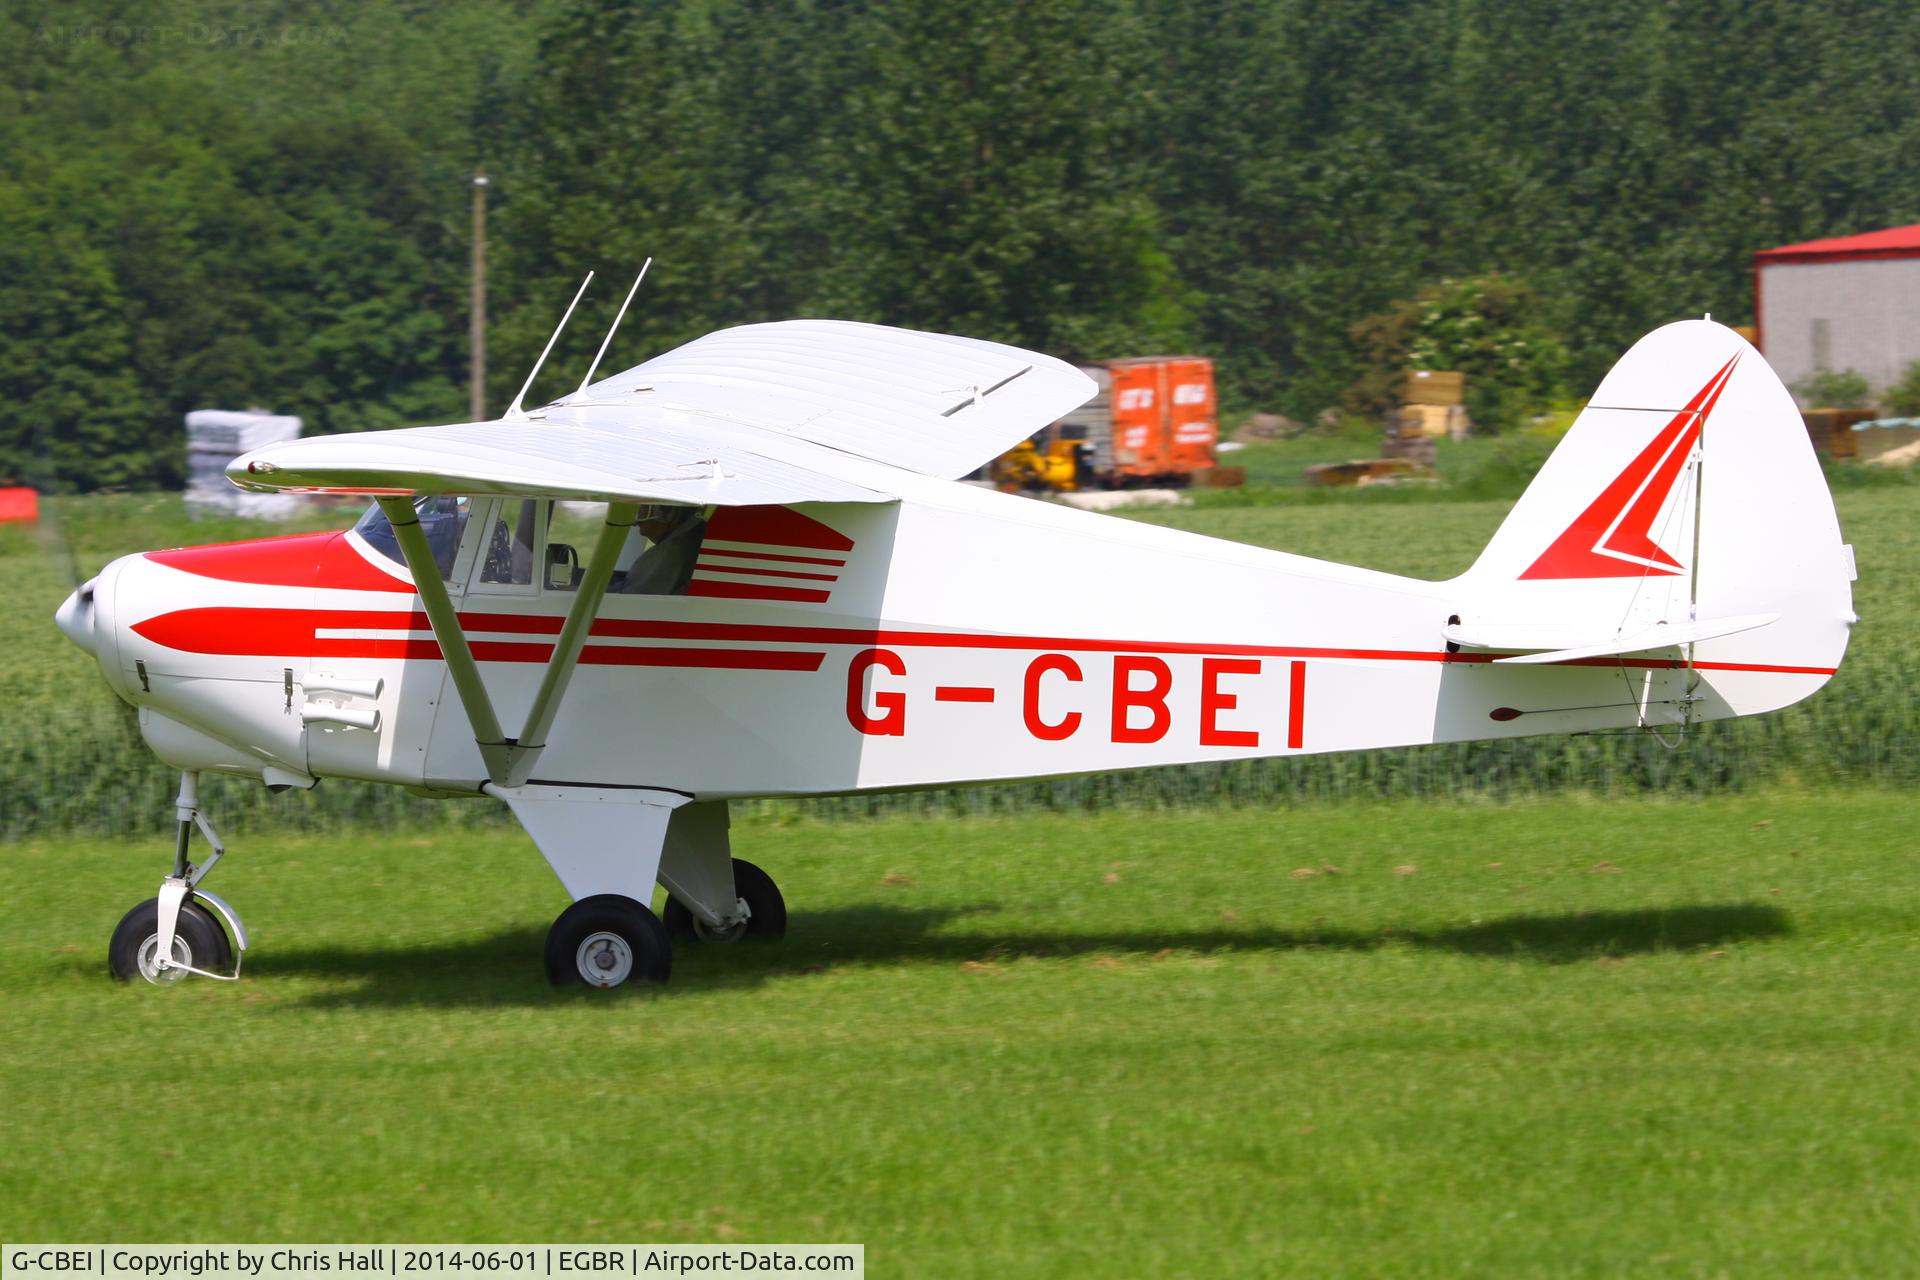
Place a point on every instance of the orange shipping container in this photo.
(1164, 417)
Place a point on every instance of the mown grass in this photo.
(1654, 1034)
(1553, 1038)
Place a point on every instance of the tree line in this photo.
(202, 208)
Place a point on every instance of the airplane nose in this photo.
(75, 617)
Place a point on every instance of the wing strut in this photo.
(509, 761)
(446, 626)
(621, 516)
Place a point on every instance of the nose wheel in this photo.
(608, 941)
(174, 934)
(198, 943)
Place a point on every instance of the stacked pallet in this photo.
(1435, 403)
(216, 437)
(1430, 407)
(1831, 430)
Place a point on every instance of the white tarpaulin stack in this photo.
(216, 437)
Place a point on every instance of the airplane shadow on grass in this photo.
(504, 968)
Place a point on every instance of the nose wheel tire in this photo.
(198, 940)
(607, 941)
(766, 911)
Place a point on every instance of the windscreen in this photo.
(442, 519)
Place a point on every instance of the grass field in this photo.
(1553, 1038)
(1664, 1033)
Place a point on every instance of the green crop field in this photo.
(1566, 1007)
(76, 763)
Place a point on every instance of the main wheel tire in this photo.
(198, 940)
(766, 910)
(608, 941)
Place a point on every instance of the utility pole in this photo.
(477, 326)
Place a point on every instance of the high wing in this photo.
(611, 454)
(760, 414)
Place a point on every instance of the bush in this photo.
(1903, 397)
(1830, 389)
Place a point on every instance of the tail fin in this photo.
(1684, 515)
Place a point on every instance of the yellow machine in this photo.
(1025, 466)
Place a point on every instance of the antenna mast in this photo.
(616, 325)
(477, 321)
(514, 410)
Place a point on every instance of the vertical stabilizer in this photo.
(1686, 497)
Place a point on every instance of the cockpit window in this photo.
(442, 519)
(665, 568)
(511, 544)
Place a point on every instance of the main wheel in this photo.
(766, 910)
(608, 941)
(198, 940)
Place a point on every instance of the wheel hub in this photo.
(604, 959)
(149, 960)
(732, 931)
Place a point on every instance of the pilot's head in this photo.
(657, 522)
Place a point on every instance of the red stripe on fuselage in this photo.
(768, 555)
(775, 527)
(602, 655)
(293, 632)
(766, 573)
(754, 591)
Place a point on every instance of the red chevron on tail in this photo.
(1613, 537)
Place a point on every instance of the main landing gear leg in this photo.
(604, 843)
(713, 897)
(172, 935)
(609, 845)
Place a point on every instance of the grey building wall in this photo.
(1841, 315)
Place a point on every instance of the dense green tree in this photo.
(653, 132)
(193, 218)
(70, 406)
(210, 202)
(988, 174)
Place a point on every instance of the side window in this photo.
(572, 531)
(511, 543)
(527, 541)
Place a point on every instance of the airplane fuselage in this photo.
(1026, 640)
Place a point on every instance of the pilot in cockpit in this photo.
(666, 567)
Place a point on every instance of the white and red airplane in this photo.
(783, 591)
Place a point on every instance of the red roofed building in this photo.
(1852, 302)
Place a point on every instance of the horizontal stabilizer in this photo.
(1556, 643)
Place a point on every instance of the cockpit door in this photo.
(375, 687)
